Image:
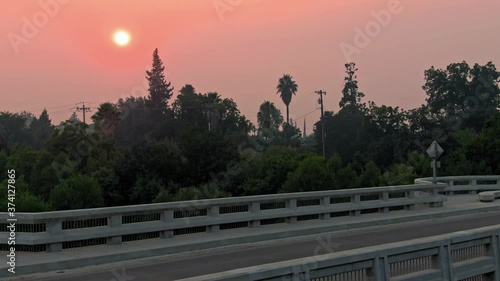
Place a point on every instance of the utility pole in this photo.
(321, 93)
(83, 109)
(210, 120)
(211, 112)
(304, 134)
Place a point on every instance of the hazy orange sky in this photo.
(238, 48)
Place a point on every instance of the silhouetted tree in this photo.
(269, 117)
(188, 108)
(107, 119)
(350, 94)
(135, 120)
(73, 119)
(160, 90)
(463, 96)
(41, 129)
(287, 88)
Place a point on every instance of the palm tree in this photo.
(286, 88)
(186, 105)
(107, 119)
(269, 116)
(212, 107)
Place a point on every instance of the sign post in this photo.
(434, 151)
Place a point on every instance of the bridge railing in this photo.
(466, 255)
(465, 184)
(56, 231)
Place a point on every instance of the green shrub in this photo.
(77, 192)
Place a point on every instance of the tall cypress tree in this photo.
(73, 119)
(159, 89)
(41, 129)
(350, 94)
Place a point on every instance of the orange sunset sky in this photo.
(238, 48)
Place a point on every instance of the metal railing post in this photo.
(385, 198)
(325, 202)
(356, 199)
(167, 217)
(474, 184)
(213, 212)
(255, 210)
(54, 228)
(410, 195)
(444, 262)
(292, 205)
(115, 221)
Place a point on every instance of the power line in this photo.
(56, 107)
(66, 105)
(87, 106)
(101, 102)
(306, 114)
(60, 112)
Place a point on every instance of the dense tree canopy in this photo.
(462, 95)
(146, 149)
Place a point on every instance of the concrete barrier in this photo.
(464, 255)
(55, 231)
(489, 196)
(472, 185)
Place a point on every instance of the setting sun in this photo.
(121, 38)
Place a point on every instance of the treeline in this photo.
(141, 150)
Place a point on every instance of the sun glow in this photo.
(121, 38)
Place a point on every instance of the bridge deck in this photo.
(456, 206)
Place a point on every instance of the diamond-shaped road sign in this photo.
(435, 150)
